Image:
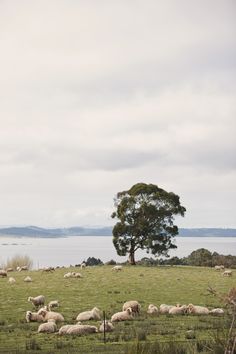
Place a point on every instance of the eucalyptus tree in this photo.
(145, 216)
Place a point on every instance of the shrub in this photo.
(19, 261)
(92, 261)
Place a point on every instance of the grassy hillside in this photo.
(108, 290)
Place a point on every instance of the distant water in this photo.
(74, 249)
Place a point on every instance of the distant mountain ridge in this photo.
(34, 231)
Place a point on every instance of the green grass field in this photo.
(108, 290)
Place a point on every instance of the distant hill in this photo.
(34, 231)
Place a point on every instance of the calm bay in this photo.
(66, 251)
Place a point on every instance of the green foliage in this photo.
(146, 220)
(92, 261)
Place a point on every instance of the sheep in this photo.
(83, 265)
(219, 267)
(50, 315)
(94, 314)
(3, 273)
(64, 329)
(10, 269)
(117, 267)
(28, 279)
(68, 275)
(227, 273)
(48, 269)
(25, 267)
(152, 310)
(178, 310)
(37, 301)
(77, 275)
(134, 305)
(52, 304)
(122, 316)
(11, 280)
(48, 327)
(164, 309)
(81, 329)
(33, 317)
(18, 269)
(108, 326)
(217, 312)
(197, 310)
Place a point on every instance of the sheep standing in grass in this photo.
(108, 326)
(50, 315)
(134, 305)
(94, 314)
(178, 310)
(82, 329)
(83, 265)
(49, 327)
(53, 304)
(33, 317)
(152, 310)
(37, 301)
(3, 273)
(197, 310)
(122, 316)
(164, 309)
(117, 268)
(11, 280)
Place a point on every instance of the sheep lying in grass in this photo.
(11, 280)
(81, 329)
(133, 304)
(164, 309)
(49, 327)
(67, 275)
(197, 310)
(77, 275)
(10, 270)
(178, 310)
(33, 317)
(122, 316)
(108, 327)
(53, 304)
(28, 279)
(94, 314)
(227, 273)
(152, 310)
(3, 273)
(64, 329)
(217, 312)
(37, 301)
(48, 315)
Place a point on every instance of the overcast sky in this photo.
(96, 96)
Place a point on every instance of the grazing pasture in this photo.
(107, 290)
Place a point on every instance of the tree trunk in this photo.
(131, 258)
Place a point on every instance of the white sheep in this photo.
(53, 304)
(48, 315)
(219, 267)
(3, 273)
(164, 309)
(108, 326)
(25, 267)
(68, 275)
(37, 301)
(77, 275)
(152, 310)
(64, 329)
(197, 310)
(11, 280)
(133, 304)
(178, 310)
(33, 317)
(94, 314)
(83, 265)
(117, 268)
(48, 327)
(28, 279)
(217, 312)
(227, 273)
(122, 316)
(81, 329)
(10, 269)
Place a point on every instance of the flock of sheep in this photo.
(49, 319)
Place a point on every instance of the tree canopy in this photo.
(146, 220)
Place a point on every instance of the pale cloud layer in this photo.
(98, 95)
